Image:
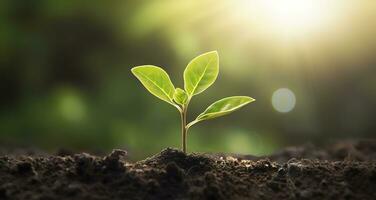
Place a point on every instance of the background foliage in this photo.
(65, 75)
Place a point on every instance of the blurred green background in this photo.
(65, 72)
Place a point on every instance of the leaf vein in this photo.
(201, 76)
(164, 92)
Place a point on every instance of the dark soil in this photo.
(341, 171)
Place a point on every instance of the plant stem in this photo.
(183, 115)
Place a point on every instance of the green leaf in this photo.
(180, 96)
(156, 81)
(223, 107)
(201, 72)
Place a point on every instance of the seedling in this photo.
(199, 74)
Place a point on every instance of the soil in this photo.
(345, 170)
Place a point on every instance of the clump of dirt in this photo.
(348, 172)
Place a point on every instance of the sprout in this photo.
(199, 75)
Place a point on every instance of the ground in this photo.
(345, 170)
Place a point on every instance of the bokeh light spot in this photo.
(283, 100)
(71, 107)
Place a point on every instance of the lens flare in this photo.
(283, 100)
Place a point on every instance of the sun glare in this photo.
(295, 14)
(291, 16)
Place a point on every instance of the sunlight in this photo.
(291, 16)
(295, 14)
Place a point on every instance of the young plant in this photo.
(200, 74)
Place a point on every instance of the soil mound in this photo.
(342, 171)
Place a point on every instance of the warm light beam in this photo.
(291, 16)
(295, 14)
